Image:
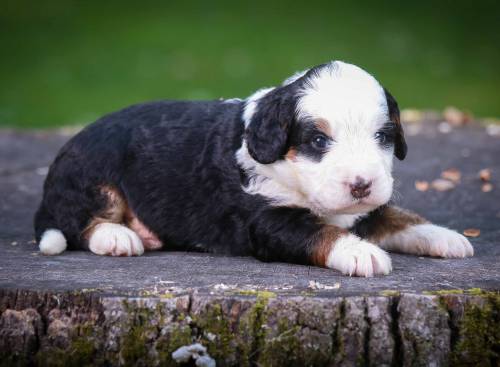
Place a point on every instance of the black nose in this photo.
(360, 188)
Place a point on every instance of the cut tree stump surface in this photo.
(25, 156)
(348, 320)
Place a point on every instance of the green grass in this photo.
(68, 62)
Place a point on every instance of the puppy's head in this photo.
(324, 140)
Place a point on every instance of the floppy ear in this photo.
(400, 148)
(267, 133)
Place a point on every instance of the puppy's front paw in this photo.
(354, 256)
(115, 240)
(441, 242)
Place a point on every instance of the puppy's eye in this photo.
(319, 142)
(381, 137)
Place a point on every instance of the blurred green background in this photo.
(68, 62)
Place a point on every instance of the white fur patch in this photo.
(343, 93)
(429, 239)
(274, 181)
(251, 104)
(115, 240)
(343, 221)
(52, 242)
(354, 256)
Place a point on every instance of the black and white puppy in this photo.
(297, 173)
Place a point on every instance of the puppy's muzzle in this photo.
(360, 188)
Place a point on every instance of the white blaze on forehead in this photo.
(343, 93)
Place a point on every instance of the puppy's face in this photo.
(325, 139)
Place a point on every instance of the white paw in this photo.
(431, 240)
(354, 256)
(115, 240)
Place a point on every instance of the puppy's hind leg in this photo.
(115, 239)
(105, 233)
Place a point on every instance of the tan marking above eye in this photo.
(324, 127)
(291, 154)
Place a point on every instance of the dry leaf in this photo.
(452, 174)
(411, 115)
(487, 187)
(422, 185)
(455, 117)
(442, 185)
(472, 232)
(485, 174)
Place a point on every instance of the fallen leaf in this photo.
(411, 115)
(485, 174)
(452, 174)
(455, 117)
(442, 185)
(422, 185)
(472, 232)
(487, 187)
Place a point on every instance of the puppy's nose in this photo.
(360, 188)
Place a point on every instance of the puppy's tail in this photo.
(51, 240)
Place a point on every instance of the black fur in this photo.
(400, 148)
(175, 164)
(366, 225)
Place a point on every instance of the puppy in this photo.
(298, 173)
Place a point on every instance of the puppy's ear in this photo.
(267, 133)
(400, 147)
